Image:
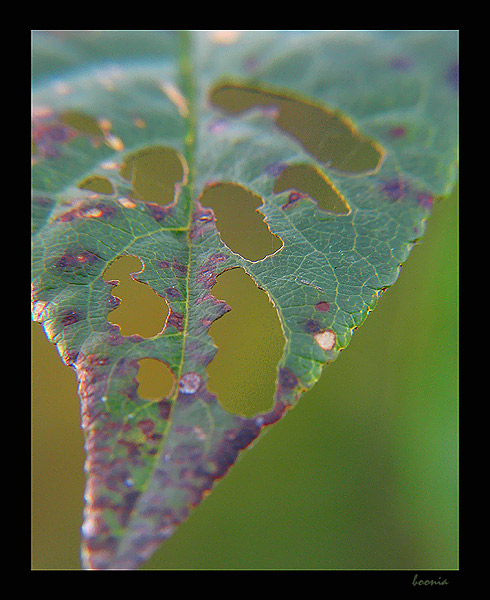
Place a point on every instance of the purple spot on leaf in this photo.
(395, 189)
(73, 259)
(275, 169)
(287, 379)
(157, 211)
(218, 126)
(251, 63)
(179, 269)
(292, 198)
(401, 63)
(173, 293)
(397, 132)
(312, 326)
(113, 302)
(58, 133)
(322, 306)
(453, 76)
(425, 200)
(69, 317)
(175, 319)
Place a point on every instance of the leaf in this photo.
(346, 138)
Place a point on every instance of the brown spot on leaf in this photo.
(69, 215)
(326, 339)
(189, 383)
(89, 210)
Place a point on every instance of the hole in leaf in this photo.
(331, 138)
(155, 379)
(141, 310)
(250, 344)
(240, 226)
(96, 183)
(309, 180)
(81, 122)
(154, 172)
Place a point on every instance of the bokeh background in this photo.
(361, 474)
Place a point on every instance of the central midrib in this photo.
(188, 87)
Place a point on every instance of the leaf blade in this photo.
(126, 526)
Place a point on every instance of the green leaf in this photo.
(347, 139)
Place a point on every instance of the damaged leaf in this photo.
(375, 150)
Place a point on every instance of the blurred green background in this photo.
(361, 474)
